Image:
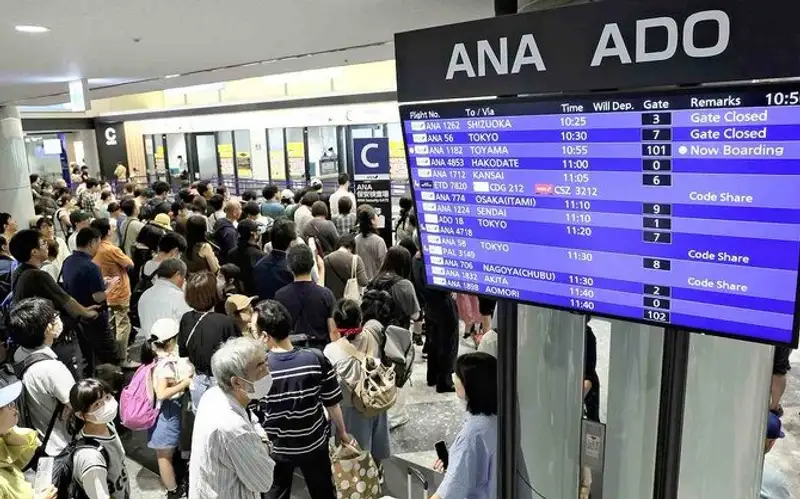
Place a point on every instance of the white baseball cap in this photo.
(164, 330)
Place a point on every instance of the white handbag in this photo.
(352, 291)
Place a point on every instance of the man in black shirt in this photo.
(271, 273)
(310, 306)
(30, 248)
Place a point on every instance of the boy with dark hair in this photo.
(79, 220)
(292, 412)
(272, 206)
(34, 325)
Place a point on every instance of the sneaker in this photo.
(129, 364)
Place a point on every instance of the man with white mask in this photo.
(33, 324)
(230, 455)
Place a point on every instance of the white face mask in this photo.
(106, 413)
(261, 387)
(58, 328)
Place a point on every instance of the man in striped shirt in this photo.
(303, 382)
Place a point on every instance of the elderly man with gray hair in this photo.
(230, 455)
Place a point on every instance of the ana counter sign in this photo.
(610, 45)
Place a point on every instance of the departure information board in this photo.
(678, 209)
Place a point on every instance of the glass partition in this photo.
(276, 156)
(225, 152)
(296, 154)
(244, 162)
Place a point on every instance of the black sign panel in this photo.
(111, 147)
(601, 46)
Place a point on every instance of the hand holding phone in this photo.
(442, 454)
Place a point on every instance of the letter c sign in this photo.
(111, 136)
(364, 159)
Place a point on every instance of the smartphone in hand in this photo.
(441, 453)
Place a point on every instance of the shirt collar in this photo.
(42, 349)
(167, 283)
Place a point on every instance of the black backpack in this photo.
(145, 282)
(392, 314)
(64, 468)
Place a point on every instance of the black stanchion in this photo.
(674, 370)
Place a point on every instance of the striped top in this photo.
(229, 459)
(294, 419)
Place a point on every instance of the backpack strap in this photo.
(350, 350)
(354, 268)
(91, 443)
(52, 424)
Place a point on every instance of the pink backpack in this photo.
(137, 407)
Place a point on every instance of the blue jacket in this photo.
(225, 237)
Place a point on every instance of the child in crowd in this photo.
(171, 378)
(99, 461)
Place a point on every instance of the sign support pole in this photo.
(674, 369)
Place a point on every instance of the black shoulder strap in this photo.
(21, 367)
(52, 423)
(91, 443)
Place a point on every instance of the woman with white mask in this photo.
(99, 461)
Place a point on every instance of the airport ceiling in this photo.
(125, 47)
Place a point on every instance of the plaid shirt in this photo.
(344, 223)
(86, 202)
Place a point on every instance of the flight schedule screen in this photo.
(677, 209)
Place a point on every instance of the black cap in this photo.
(247, 228)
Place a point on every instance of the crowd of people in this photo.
(274, 323)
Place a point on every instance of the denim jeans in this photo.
(200, 384)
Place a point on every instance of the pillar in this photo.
(725, 413)
(15, 186)
(550, 391)
(634, 392)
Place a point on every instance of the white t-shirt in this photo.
(334, 200)
(47, 382)
(171, 368)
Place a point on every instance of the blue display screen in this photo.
(678, 209)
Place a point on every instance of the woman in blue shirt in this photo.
(473, 457)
